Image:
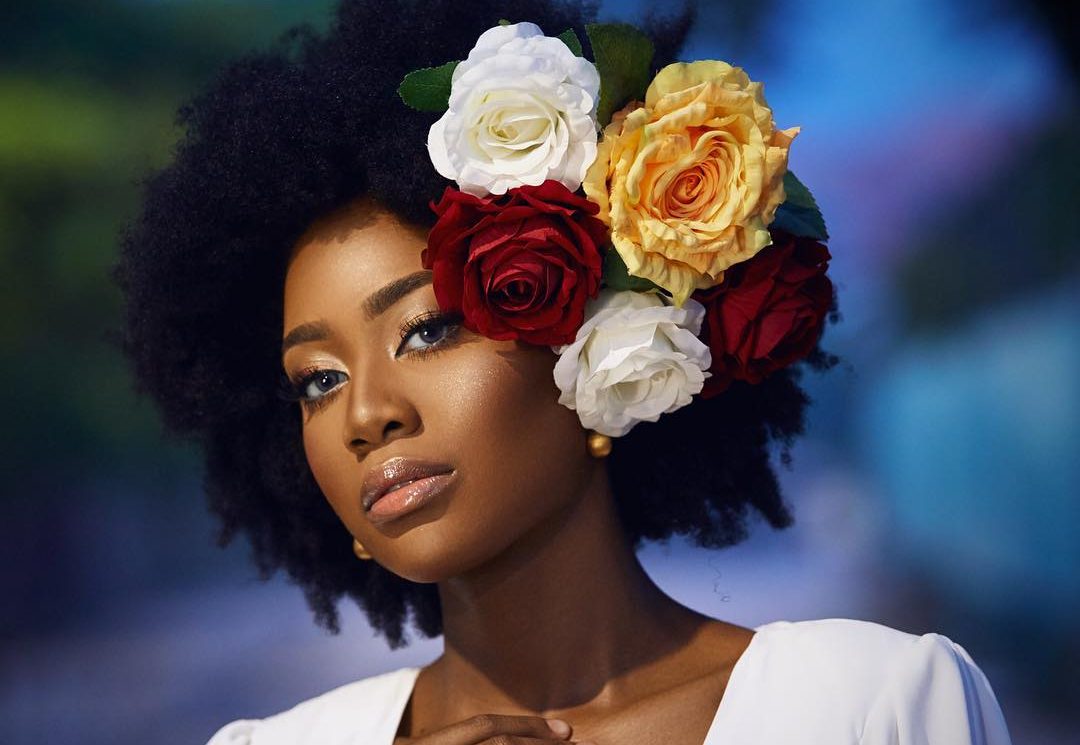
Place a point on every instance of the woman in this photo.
(487, 409)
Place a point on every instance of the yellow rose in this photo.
(689, 181)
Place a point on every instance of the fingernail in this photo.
(559, 727)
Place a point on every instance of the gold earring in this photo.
(599, 445)
(359, 550)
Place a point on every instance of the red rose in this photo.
(767, 312)
(517, 266)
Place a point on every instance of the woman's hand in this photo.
(497, 729)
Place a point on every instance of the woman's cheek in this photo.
(497, 392)
(328, 459)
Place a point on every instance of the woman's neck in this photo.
(557, 619)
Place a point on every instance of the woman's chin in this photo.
(426, 558)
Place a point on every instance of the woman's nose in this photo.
(377, 414)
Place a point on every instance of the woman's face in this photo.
(410, 382)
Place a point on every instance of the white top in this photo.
(834, 681)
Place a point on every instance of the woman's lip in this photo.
(410, 497)
(396, 470)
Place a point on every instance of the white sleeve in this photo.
(936, 695)
(240, 732)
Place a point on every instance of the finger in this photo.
(477, 729)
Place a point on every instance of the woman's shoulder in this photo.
(861, 659)
(845, 658)
(871, 679)
(848, 646)
(373, 704)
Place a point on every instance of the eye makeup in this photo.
(297, 387)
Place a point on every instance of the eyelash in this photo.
(293, 389)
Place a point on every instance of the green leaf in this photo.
(504, 22)
(616, 276)
(428, 89)
(799, 214)
(570, 39)
(797, 193)
(623, 57)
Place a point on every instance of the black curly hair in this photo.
(285, 136)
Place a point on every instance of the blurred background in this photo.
(937, 487)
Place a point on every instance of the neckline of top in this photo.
(408, 676)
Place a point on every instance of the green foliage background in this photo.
(88, 91)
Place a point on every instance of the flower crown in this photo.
(692, 259)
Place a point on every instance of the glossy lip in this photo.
(397, 471)
(409, 498)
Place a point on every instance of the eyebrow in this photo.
(373, 306)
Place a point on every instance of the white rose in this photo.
(522, 110)
(635, 357)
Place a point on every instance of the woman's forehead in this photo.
(350, 255)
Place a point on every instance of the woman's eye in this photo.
(320, 383)
(427, 334)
